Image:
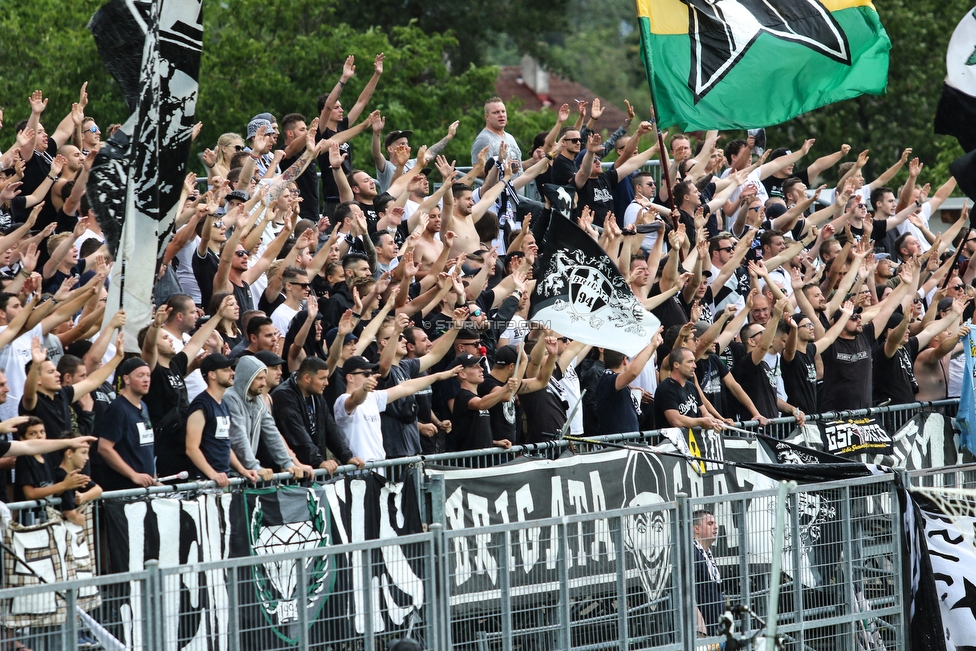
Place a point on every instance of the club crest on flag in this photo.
(591, 293)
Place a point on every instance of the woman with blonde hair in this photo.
(218, 162)
(228, 329)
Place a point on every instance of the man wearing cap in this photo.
(263, 160)
(252, 427)
(168, 399)
(401, 430)
(386, 170)
(125, 441)
(471, 417)
(208, 426)
(305, 421)
(357, 412)
(234, 199)
(504, 424)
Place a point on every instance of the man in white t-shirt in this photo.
(357, 412)
(296, 285)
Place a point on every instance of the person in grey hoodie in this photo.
(251, 424)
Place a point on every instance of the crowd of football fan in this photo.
(311, 314)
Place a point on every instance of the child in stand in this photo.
(35, 477)
(75, 463)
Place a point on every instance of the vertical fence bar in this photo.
(623, 634)
(234, 627)
(369, 642)
(504, 561)
(684, 568)
(302, 603)
(847, 524)
(71, 622)
(153, 611)
(745, 583)
(565, 613)
(898, 535)
(431, 593)
(793, 513)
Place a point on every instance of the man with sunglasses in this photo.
(848, 363)
(297, 287)
(798, 361)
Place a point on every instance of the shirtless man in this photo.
(429, 248)
(466, 214)
(932, 365)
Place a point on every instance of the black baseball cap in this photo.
(467, 360)
(395, 135)
(215, 362)
(129, 365)
(506, 355)
(268, 358)
(358, 363)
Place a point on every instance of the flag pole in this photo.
(955, 257)
(662, 154)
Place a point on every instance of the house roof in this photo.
(510, 85)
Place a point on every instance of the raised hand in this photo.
(37, 102)
(348, 68)
(377, 63)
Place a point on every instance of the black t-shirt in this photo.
(759, 384)
(244, 298)
(330, 192)
(545, 410)
(55, 412)
(308, 186)
(502, 414)
(562, 171)
(847, 372)
(711, 371)
(31, 472)
(52, 284)
(774, 185)
(671, 395)
(167, 402)
(372, 217)
(215, 441)
(618, 413)
(670, 312)
(597, 193)
(894, 377)
(204, 270)
(470, 428)
(35, 170)
(401, 434)
(130, 430)
(68, 497)
(800, 379)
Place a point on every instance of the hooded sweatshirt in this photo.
(251, 424)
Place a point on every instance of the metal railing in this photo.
(543, 584)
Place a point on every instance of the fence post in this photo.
(684, 565)
(623, 634)
(71, 625)
(234, 627)
(504, 559)
(847, 532)
(435, 488)
(153, 612)
(303, 602)
(442, 588)
(369, 642)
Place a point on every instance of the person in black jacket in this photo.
(305, 420)
(708, 581)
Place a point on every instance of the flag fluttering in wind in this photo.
(740, 64)
(581, 294)
(152, 48)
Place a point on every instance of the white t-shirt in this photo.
(752, 178)
(362, 427)
(571, 386)
(282, 317)
(907, 227)
(184, 270)
(630, 217)
(516, 331)
(13, 358)
(194, 382)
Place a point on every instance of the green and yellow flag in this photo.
(742, 64)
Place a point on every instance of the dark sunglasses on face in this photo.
(575, 141)
(302, 285)
(241, 254)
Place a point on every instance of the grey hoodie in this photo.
(250, 421)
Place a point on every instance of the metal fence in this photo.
(840, 586)
(621, 579)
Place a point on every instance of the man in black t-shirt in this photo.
(618, 408)
(894, 359)
(126, 439)
(208, 425)
(798, 360)
(167, 400)
(676, 401)
(295, 130)
(752, 371)
(44, 396)
(471, 422)
(596, 187)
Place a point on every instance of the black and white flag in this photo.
(152, 48)
(581, 294)
(956, 115)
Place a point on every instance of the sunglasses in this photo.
(357, 373)
(916, 300)
(957, 287)
(727, 249)
(855, 317)
(238, 147)
(94, 129)
(565, 340)
(241, 254)
(302, 285)
(575, 141)
(476, 312)
(219, 223)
